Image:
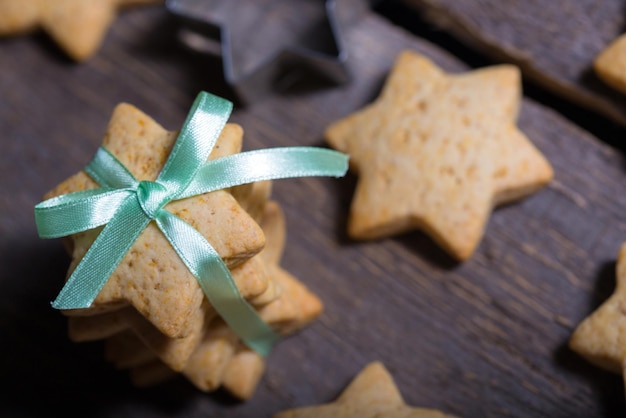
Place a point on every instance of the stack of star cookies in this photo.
(151, 313)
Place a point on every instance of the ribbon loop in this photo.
(196, 139)
(106, 170)
(76, 212)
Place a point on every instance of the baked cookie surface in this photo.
(436, 152)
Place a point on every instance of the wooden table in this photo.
(487, 337)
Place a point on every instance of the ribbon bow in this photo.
(126, 206)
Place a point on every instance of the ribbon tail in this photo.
(103, 257)
(266, 164)
(217, 283)
(106, 170)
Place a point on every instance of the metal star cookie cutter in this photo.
(266, 45)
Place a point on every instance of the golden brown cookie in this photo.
(151, 277)
(243, 372)
(98, 327)
(173, 352)
(294, 308)
(371, 394)
(207, 363)
(273, 224)
(253, 197)
(436, 152)
(601, 337)
(77, 26)
(299, 306)
(610, 64)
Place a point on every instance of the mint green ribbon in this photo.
(125, 206)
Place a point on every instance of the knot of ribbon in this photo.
(125, 207)
(152, 196)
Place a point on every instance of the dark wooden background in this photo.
(485, 338)
(553, 42)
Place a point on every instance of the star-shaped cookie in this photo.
(601, 337)
(77, 26)
(371, 394)
(436, 152)
(151, 276)
(144, 343)
(610, 64)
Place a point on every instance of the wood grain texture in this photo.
(554, 43)
(483, 338)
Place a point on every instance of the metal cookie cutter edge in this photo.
(251, 86)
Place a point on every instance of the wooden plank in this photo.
(554, 42)
(483, 338)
